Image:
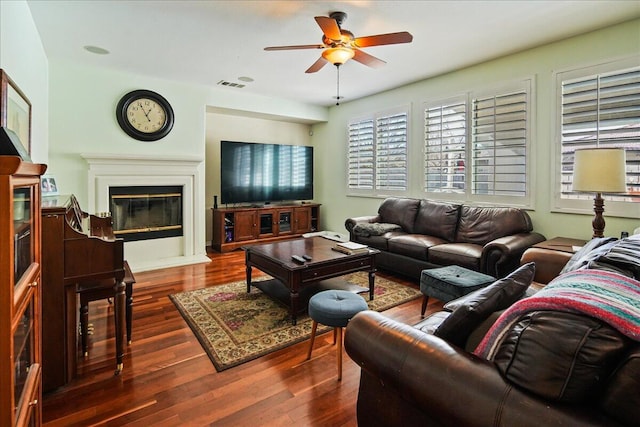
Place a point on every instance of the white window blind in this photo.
(445, 147)
(391, 152)
(476, 146)
(499, 151)
(378, 148)
(361, 155)
(601, 110)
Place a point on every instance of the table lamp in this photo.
(599, 170)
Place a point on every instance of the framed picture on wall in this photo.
(15, 110)
(48, 186)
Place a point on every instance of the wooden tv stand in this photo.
(236, 227)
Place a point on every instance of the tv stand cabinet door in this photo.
(245, 225)
(302, 220)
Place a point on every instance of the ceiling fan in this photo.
(340, 45)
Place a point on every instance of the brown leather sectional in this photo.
(416, 234)
(555, 367)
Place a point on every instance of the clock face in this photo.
(145, 115)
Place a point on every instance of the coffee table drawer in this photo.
(336, 269)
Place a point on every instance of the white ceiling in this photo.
(204, 42)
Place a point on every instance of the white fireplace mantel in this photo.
(116, 170)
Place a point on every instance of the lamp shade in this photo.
(599, 170)
(338, 55)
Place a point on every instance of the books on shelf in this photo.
(351, 248)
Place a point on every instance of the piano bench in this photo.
(93, 291)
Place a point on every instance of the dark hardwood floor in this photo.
(168, 380)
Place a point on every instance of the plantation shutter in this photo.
(602, 110)
(445, 147)
(391, 152)
(499, 152)
(361, 155)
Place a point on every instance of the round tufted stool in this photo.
(334, 308)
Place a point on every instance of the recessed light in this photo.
(245, 79)
(97, 50)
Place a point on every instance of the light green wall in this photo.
(331, 138)
(22, 57)
(74, 112)
(236, 128)
(83, 120)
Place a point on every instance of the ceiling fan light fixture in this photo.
(338, 55)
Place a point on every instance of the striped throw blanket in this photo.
(607, 296)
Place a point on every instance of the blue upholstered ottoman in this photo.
(334, 308)
(449, 283)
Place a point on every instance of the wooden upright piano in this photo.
(76, 247)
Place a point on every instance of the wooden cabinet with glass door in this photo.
(20, 369)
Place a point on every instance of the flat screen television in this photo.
(262, 173)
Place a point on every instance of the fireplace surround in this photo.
(187, 173)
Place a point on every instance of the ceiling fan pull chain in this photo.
(338, 85)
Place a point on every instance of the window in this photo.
(445, 147)
(378, 154)
(599, 107)
(477, 145)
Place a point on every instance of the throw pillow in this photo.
(587, 253)
(374, 229)
(471, 310)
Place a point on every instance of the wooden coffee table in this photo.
(295, 283)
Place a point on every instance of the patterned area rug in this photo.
(234, 326)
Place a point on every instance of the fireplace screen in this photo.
(146, 212)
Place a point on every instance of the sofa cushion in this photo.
(560, 356)
(481, 225)
(413, 245)
(471, 310)
(437, 219)
(621, 399)
(378, 242)
(429, 324)
(463, 254)
(399, 211)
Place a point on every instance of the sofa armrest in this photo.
(501, 256)
(549, 263)
(439, 383)
(349, 223)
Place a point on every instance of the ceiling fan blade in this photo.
(301, 46)
(382, 39)
(317, 65)
(366, 59)
(329, 27)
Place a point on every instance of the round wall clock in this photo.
(144, 115)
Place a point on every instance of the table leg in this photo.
(248, 270)
(129, 309)
(84, 327)
(119, 307)
(372, 278)
(294, 297)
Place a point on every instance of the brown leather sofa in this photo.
(553, 368)
(412, 378)
(417, 234)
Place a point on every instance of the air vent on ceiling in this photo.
(230, 84)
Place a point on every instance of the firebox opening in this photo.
(146, 212)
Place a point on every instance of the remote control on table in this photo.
(297, 258)
(307, 257)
